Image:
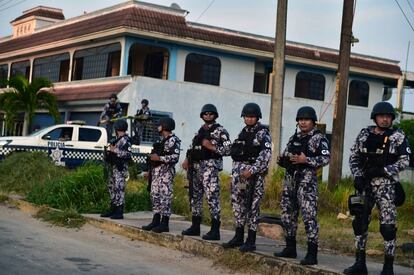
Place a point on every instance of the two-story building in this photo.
(140, 50)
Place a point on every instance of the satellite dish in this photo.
(387, 94)
(175, 6)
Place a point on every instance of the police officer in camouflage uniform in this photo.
(118, 156)
(162, 164)
(306, 151)
(111, 110)
(203, 162)
(251, 153)
(141, 118)
(380, 152)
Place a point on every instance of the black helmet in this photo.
(167, 123)
(209, 108)
(113, 96)
(145, 101)
(382, 108)
(251, 109)
(306, 112)
(121, 125)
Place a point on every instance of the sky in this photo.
(380, 26)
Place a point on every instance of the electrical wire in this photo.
(406, 18)
(209, 5)
(4, 4)
(12, 5)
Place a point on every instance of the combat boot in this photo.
(311, 257)
(194, 229)
(237, 239)
(118, 212)
(163, 226)
(214, 233)
(110, 212)
(388, 269)
(250, 244)
(155, 222)
(360, 266)
(290, 250)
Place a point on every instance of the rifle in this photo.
(190, 175)
(107, 166)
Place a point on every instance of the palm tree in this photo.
(24, 97)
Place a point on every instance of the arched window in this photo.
(310, 85)
(358, 93)
(201, 68)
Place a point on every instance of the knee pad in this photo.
(359, 225)
(388, 231)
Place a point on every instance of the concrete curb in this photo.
(231, 258)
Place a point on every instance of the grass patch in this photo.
(67, 218)
(22, 171)
(3, 198)
(237, 261)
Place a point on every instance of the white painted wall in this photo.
(236, 73)
(184, 100)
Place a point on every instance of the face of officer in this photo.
(143, 105)
(209, 117)
(305, 125)
(112, 100)
(383, 121)
(250, 120)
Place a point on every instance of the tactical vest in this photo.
(243, 148)
(112, 158)
(112, 110)
(199, 152)
(158, 148)
(375, 150)
(297, 146)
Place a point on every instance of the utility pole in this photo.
(278, 77)
(401, 83)
(339, 116)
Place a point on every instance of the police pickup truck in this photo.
(68, 145)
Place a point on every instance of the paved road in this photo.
(29, 246)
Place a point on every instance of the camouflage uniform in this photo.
(300, 185)
(163, 175)
(139, 125)
(109, 112)
(119, 171)
(246, 194)
(203, 174)
(380, 190)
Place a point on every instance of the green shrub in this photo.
(21, 171)
(83, 190)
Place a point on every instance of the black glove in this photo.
(374, 172)
(359, 184)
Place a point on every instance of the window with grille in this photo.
(55, 67)
(358, 93)
(21, 68)
(202, 69)
(310, 85)
(4, 70)
(97, 62)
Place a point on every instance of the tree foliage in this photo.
(24, 97)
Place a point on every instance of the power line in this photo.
(406, 18)
(12, 5)
(209, 5)
(4, 4)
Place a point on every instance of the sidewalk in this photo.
(328, 263)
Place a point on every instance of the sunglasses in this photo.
(209, 114)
